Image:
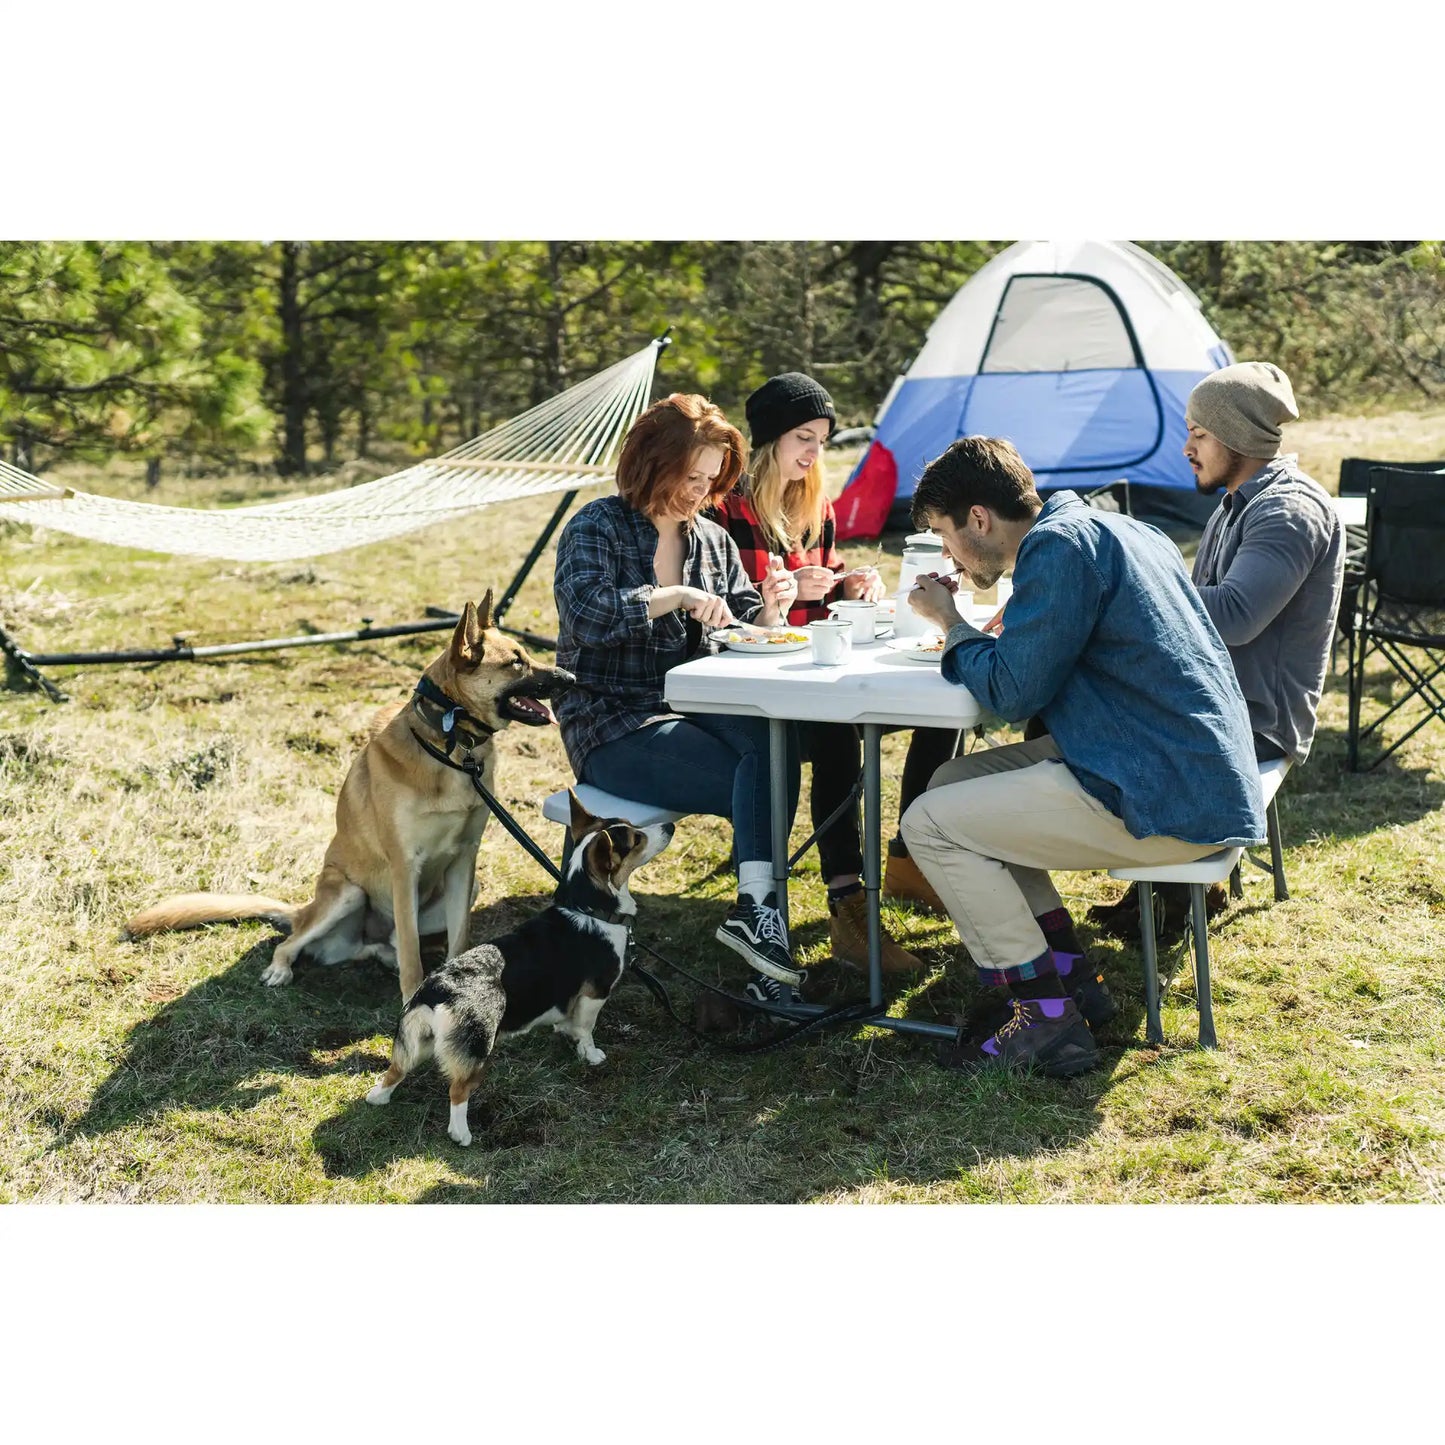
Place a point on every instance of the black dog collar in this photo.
(448, 717)
(625, 920)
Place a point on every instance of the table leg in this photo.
(778, 775)
(778, 768)
(872, 847)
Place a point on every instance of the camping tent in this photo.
(1082, 353)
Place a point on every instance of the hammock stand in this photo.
(22, 667)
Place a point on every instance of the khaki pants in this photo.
(990, 826)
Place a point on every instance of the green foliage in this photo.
(325, 349)
(101, 351)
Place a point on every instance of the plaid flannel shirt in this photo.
(737, 515)
(603, 582)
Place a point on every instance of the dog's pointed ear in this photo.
(466, 648)
(581, 818)
(484, 611)
(600, 857)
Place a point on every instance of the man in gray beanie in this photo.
(1269, 570)
(1271, 563)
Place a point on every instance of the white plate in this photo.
(742, 642)
(912, 649)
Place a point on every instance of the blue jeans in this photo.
(704, 763)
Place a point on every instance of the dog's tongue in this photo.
(536, 707)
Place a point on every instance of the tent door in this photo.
(1062, 366)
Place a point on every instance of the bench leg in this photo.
(1154, 1027)
(1276, 853)
(1207, 1038)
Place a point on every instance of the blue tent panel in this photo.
(1078, 429)
(1071, 420)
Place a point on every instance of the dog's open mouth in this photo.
(530, 710)
(523, 701)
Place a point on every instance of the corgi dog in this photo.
(558, 968)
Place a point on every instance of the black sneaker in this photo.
(1046, 1034)
(1090, 992)
(756, 931)
(762, 989)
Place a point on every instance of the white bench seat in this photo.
(557, 809)
(1212, 868)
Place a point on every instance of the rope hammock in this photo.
(568, 442)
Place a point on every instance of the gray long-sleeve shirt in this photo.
(1269, 569)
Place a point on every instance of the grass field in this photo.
(164, 1071)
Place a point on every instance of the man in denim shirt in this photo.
(1148, 759)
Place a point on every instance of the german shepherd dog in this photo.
(403, 861)
(558, 968)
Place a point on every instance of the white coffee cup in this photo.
(863, 616)
(963, 600)
(832, 641)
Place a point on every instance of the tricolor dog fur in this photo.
(403, 860)
(558, 968)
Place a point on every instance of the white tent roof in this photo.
(1081, 329)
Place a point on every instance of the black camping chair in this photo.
(1111, 497)
(1398, 611)
(1355, 482)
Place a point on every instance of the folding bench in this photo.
(557, 809)
(1213, 868)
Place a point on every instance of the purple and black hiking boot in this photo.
(1047, 1034)
(1085, 983)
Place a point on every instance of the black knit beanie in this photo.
(786, 401)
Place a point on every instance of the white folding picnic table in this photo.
(877, 689)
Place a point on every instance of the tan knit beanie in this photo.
(1244, 406)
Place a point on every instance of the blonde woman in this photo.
(780, 515)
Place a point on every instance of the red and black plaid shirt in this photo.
(737, 515)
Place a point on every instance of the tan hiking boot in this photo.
(848, 934)
(904, 879)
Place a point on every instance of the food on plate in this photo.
(932, 644)
(773, 635)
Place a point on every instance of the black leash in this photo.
(856, 1011)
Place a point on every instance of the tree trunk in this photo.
(551, 380)
(293, 375)
(807, 327)
(1214, 266)
(153, 473)
(363, 428)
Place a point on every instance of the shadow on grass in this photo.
(668, 1118)
(665, 1119)
(200, 1050)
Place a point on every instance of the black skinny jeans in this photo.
(836, 753)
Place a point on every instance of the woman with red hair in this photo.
(641, 578)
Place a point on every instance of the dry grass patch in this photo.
(164, 1071)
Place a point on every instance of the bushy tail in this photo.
(191, 910)
(415, 1038)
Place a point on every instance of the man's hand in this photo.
(932, 599)
(863, 583)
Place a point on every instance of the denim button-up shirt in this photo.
(1107, 641)
(604, 580)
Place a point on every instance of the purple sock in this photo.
(1058, 930)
